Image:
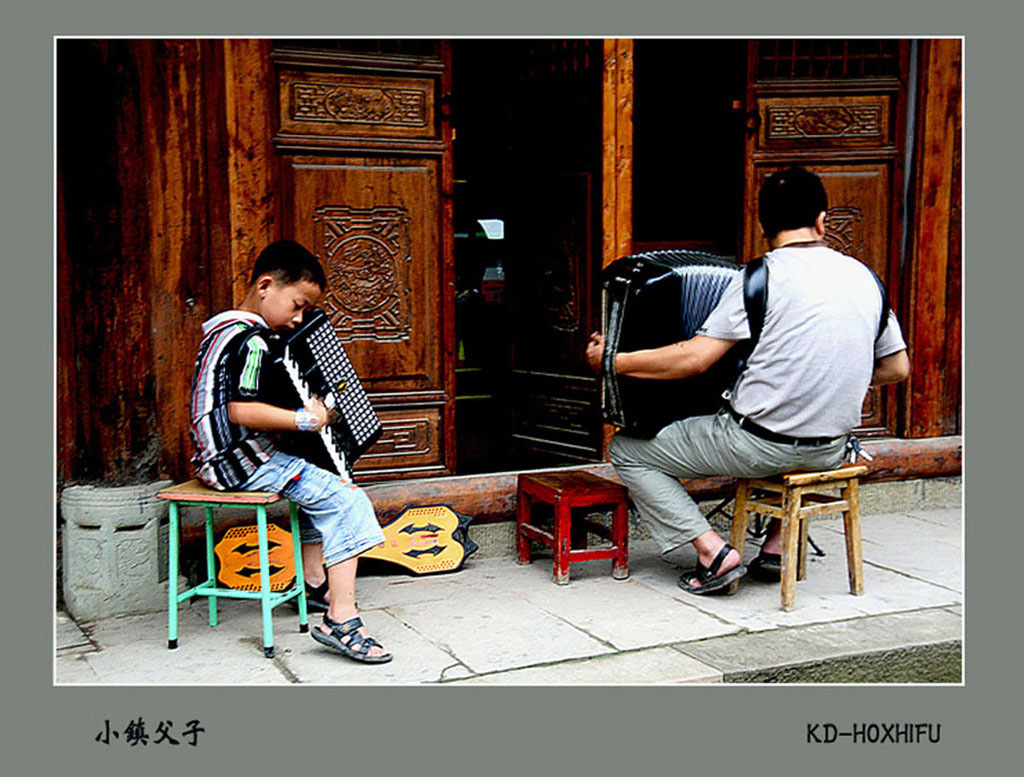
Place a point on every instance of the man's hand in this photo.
(595, 351)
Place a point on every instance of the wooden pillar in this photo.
(617, 144)
(932, 323)
(617, 161)
(251, 107)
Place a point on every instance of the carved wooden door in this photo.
(364, 161)
(838, 108)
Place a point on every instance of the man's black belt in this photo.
(767, 434)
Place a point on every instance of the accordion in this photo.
(654, 299)
(316, 364)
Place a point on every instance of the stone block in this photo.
(114, 550)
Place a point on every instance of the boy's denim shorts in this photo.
(332, 508)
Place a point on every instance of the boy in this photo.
(236, 426)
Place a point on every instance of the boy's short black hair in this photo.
(790, 199)
(289, 263)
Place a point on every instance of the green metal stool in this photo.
(195, 493)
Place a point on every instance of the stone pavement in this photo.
(495, 622)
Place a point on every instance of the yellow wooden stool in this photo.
(793, 498)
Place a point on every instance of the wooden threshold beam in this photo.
(491, 498)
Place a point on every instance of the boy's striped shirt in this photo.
(227, 454)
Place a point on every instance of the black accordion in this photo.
(316, 364)
(655, 299)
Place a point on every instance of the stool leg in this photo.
(740, 520)
(300, 575)
(620, 538)
(523, 509)
(268, 620)
(172, 576)
(211, 569)
(790, 538)
(851, 524)
(801, 567)
(563, 533)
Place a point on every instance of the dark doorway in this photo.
(688, 133)
(527, 158)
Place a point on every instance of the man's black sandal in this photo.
(766, 567)
(706, 575)
(356, 646)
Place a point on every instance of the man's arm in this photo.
(670, 362)
(891, 369)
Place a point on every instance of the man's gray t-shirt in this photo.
(811, 368)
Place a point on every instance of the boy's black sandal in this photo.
(706, 575)
(356, 646)
(316, 597)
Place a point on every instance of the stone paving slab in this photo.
(823, 596)
(416, 659)
(498, 622)
(904, 543)
(624, 613)
(944, 516)
(73, 669)
(490, 631)
(907, 531)
(69, 637)
(133, 650)
(756, 657)
(654, 666)
(376, 591)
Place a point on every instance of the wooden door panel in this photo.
(332, 105)
(857, 220)
(856, 224)
(373, 224)
(413, 439)
(852, 121)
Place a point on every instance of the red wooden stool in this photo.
(566, 491)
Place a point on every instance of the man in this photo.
(797, 399)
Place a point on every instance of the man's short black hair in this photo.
(790, 199)
(289, 263)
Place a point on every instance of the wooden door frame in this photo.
(932, 311)
(616, 163)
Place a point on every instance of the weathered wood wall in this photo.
(143, 236)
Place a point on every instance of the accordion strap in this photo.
(755, 298)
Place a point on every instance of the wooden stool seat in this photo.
(792, 497)
(195, 493)
(566, 491)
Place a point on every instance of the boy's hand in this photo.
(595, 351)
(317, 408)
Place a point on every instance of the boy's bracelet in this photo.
(306, 421)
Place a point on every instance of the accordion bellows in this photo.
(316, 363)
(654, 299)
